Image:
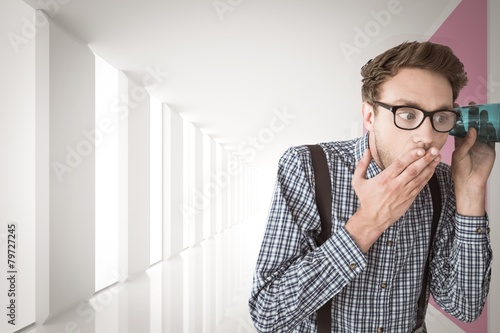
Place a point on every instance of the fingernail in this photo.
(420, 152)
(434, 151)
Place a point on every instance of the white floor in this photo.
(203, 290)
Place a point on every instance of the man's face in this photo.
(413, 87)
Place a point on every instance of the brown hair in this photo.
(425, 55)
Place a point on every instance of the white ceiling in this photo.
(229, 71)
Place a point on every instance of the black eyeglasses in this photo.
(410, 117)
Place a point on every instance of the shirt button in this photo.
(380, 330)
(479, 230)
(383, 285)
(389, 243)
(352, 265)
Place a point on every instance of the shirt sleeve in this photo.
(461, 266)
(293, 277)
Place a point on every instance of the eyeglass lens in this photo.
(410, 118)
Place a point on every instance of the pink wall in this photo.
(465, 31)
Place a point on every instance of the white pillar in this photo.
(172, 182)
(134, 170)
(209, 285)
(65, 171)
(17, 170)
(217, 174)
(225, 182)
(123, 177)
(174, 284)
(198, 186)
(208, 188)
(213, 188)
(230, 195)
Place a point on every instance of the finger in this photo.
(415, 165)
(414, 171)
(466, 144)
(401, 164)
(414, 182)
(362, 167)
(417, 184)
(458, 141)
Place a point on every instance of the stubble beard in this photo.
(383, 152)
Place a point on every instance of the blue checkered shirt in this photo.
(372, 292)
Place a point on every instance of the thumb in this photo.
(362, 167)
(465, 144)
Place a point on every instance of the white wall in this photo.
(17, 148)
(65, 171)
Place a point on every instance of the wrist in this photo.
(471, 201)
(363, 231)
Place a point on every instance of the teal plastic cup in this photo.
(485, 118)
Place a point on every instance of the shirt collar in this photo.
(359, 151)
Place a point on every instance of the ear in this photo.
(368, 115)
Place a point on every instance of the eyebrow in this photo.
(408, 102)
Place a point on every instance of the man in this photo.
(486, 128)
(371, 268)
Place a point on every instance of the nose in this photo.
(424, 133)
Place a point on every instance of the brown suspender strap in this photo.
(323, 193)
(436, 204)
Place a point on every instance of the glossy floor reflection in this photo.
(204, 289)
